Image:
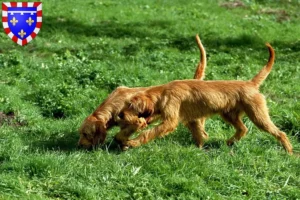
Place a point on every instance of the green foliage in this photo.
(86, 49)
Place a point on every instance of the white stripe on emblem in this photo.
(19, 41)
(4, 13)
(29, 38)
(11, 35)
(5, 25)
(36, 30)
(22, 12)
(38, 19)
(7, 4)
(19, 4)
(30, 4)
(39, 7)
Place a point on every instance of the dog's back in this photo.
(202, 98)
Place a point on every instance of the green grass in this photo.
(85, 49)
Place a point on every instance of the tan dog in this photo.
(93, 131)
(189, 101)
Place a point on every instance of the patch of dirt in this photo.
(233, 4)
(281, 15)
(11, 119)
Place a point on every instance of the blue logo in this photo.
(22, 20)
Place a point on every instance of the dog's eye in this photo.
(121, 115)
(85, 135)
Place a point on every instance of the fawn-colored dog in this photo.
(191, 101)
(93, 131)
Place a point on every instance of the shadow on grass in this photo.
(67, 143)
(184, 138)
(151, 35)
(112, 146)
(213, 144)
(153, 30)
(107, 28)
(145, 31)
(146, 36)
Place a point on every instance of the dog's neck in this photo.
(155, 93)
(150, 99)
(107, 111)
(103, 114)
(107, 119)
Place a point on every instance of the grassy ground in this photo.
(85, 49)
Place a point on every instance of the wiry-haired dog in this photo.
(189, 101)
(93, 130)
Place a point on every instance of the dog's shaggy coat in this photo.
(93, 130)
(191, 101)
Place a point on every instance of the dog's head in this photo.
(92, 132)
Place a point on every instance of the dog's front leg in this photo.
(129, 123)
(161, 130)
(128, 129)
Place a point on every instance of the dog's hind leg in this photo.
(234, 118)
(258, 113)
(202, 126)
(198, 132)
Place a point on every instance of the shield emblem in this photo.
(22, 21)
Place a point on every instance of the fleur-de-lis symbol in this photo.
(29, 21)
(22, 33)
(14, 21)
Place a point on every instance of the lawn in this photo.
(85, 49)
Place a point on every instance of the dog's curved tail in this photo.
(264, 72)
(200, 70)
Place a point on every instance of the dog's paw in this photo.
(230, 142)
(132, 143)
(142, 123)
(125, 147)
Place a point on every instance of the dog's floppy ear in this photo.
(100, 133)
(142, 104)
